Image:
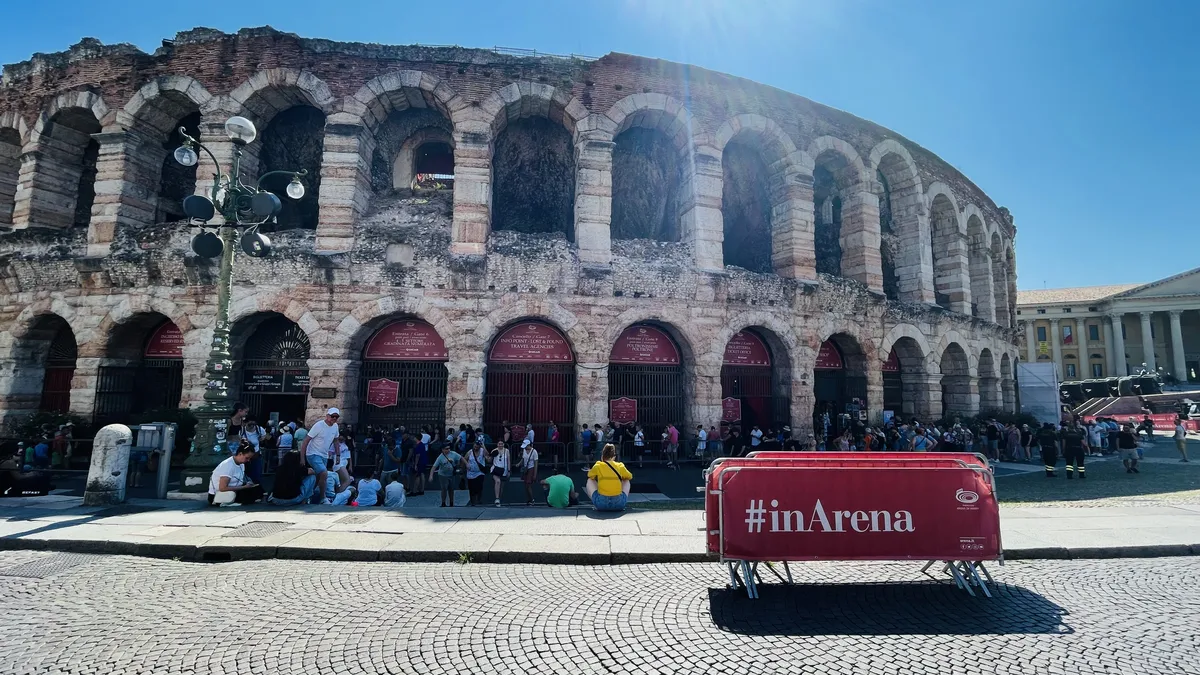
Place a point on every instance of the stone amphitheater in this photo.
(489, 236)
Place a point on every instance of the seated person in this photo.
(347, 497)
(19, 480)
(228, 485)
(370, 490)
(394, 496)
(608, 482)
(294, 481)
(560, 491)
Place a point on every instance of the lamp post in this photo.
(244, 208)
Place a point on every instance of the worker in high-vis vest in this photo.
(1074, 448)
(1047, 439)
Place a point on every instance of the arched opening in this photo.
(56, 352)
(989, 386)
(434, 161)
(533, 170)
(981, 270)
(1000, 280)
(142, 369)
(905, 392)
(956, 382)
(403, 379)
(756, 374)
(833, 178)
(1008, 386)
(10, 168)
(746, 207)
(948, 255)
(530, 380)
(176, 181)
(839, 385)
(408, 142)
(646, 365)
(646, 175)
(294, 140)
(65, 184)
(271, 360)
(888, 244)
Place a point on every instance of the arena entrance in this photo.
(839, 386)
(644, 365)
(274, 370)
(751, 375)
(893, 385)
(135, 382)
(403, 378)
(530, 379)
(52, 347)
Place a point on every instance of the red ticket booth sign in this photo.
(383, 393)
(623, 410)
(731, 409)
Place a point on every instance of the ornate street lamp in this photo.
(243, 208)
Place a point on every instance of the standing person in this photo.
(445, 466)
(992, 433)
(233, 432)
(639, 444)
(1047, 440)
(340, 458)
(1095, 437)
(597, 439)
(529, 432)
(1027, 442)
(585, 442)
(1128, 446)
(672, 446)
(284, 445)
(317, 445)
(735, 444)
(529, 467)
(756, 435)
(228, 485)
(257, 437)
(701, 440)
(419, 459)
(476, 469)
(390, 461)
(1015, 446)
(1074, 448)
(609, 482)
(500, 468)
(552, 433)
(715, 441)
(1181, 439)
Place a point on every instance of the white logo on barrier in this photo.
(822, 520)
(966, 496)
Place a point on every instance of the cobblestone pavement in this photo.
(71, 613)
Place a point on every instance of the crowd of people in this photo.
(315, 465)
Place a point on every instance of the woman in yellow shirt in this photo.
(608, 482)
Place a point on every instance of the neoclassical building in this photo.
(617, 228)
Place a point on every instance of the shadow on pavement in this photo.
(924, 607)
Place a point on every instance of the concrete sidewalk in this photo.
(194, 532)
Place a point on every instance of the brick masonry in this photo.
(375, 256)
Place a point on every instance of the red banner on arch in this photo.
(406, 340)
(829, 358)
(165, 343)
(746, 349)
(531, 342)
(645, 345)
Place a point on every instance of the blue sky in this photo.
(1080, 117)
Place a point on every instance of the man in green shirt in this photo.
(445, 466)
(560, 491)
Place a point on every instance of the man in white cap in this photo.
(317, 445)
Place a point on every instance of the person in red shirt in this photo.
(672, 446)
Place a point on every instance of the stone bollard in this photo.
(110, 466)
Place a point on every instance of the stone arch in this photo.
(761, 206)
(654, 140)
(905, 330)
(1008, 398)
(846, 213)
(14, 134)
(490, 327)
(675, 323)
(982, 295)
(990, 399)
(766, 393)
(948, 249)
(131, 306)
(269, 92)
(58, 188)
(405, 164)
(400, 90)
(44, 355)
(154, 115)
(791, 347)
(959, 397)
(1000, 280)
(911, 385)
(903, 225)
(278, 302)
(130, 378)
(948, 338)
(357, 327)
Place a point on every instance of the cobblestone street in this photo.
(73, 613)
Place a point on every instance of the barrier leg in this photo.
(958, 578)
(925, 569)
(975, 575)
(771, 567)
(735, 582)
(748, 580)
(986, 574)
(788, 570)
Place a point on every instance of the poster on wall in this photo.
(622, 410)
(383, 393)
(644, 345)
(165, 343)
(731, 409)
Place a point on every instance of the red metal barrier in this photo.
(853, 506)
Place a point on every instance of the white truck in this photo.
(1038, 387)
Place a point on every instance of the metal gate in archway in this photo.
(893, 385)
(749, 374)
(59, 371)
(406, 360)
(644, 365)
(274, 372)
(153, 383)
(530, 379)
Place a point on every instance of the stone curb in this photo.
(217, 553)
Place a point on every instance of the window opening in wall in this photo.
(1070, 367)
(1093, 332)
(1066, 310)
(645, 186)
(1041, 333)
(1018, 312)
(1068, 335)
(1041, 311)
(1152, 335)
(534, 170)
(888, 241)
(433, 164)
(828, 231)
(746, 208)
(1097, 370)
(178, 181)
(947, 261)
(1093, 309)
(295, 140)
(10, 167)
(86, 193)
(1123, 335)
